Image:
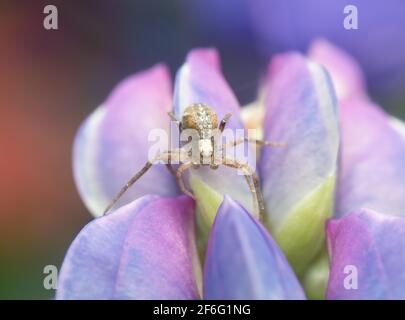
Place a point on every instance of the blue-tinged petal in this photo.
(243, 261)
(298, 180)
(347, 76)
(144, 250)
(112, 144)
(372, 171)
(367, 256)
(199, 80)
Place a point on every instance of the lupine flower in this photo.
(140, 246)
(145, 250)
(371, 188)
(150, 247)
(260, 261)
(299, 182)
(372, 243)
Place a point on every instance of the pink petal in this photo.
(144, 250)
(112, 144)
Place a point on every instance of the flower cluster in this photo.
(334, 196)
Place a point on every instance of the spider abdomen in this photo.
(200, 117)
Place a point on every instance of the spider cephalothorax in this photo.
(203, 120)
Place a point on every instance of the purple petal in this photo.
(144, 250)
(112, 144)
(372, 172)
(346, 74)
(200, 80)
(243, 261)
(366, 250)
(298, 180)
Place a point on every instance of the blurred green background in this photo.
(51, 80)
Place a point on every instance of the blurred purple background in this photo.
(50, 81)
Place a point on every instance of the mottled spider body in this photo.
(200, 117)
(203, 120)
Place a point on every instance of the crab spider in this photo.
(204, 120)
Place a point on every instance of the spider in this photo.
(204, 121)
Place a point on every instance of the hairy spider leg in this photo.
(257, 141)
(221, 126)
(254, 187)
(179, 178)
(164, 157)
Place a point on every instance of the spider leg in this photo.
(140, 173)
(169, 160)
(179, 178)
(174, 118)
(257, 141)
(266, 143)
(259, 194)
(223, 122)
(254, 184)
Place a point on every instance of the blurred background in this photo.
(50, 80)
